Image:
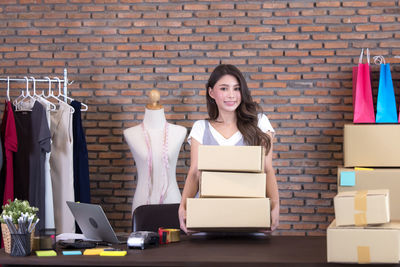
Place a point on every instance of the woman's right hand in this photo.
(191, 185)
(182, 218)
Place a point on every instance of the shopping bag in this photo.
(386, 111)
(355, 72)
(363, 102)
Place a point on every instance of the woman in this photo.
(234, 119)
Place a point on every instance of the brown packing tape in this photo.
(360, 201)
(360, 208)
(363, 254)
(171, 235)
(360, 219)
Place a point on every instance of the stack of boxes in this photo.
(367, 224)
(232, 190)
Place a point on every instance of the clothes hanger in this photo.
(22, 95)
(51, 95)
(8, 88)
(66, 98)
(19, 105)
(50, 106)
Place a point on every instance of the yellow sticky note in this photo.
(117, 253)
(363, 169)
(93, 251)
(45, 253)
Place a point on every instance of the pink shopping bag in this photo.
(362, 93)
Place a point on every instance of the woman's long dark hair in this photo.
(246, 112)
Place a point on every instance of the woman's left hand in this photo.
(274, 219)
(275, 216)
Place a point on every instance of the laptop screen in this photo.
(93, 222)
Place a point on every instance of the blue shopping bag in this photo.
(386, 111)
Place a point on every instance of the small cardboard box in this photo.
(350, 179)
(232, 184)
(371, 244)
(362, 207)
(231, 214)
(376, 145)
(231, 158)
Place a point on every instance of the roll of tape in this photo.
(169, 235)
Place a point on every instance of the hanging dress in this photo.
(81, 160)
(61, 165)
(34, 141)
(10, 145)
(49, 207)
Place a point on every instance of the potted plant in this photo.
(14, 210)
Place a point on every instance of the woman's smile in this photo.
(230, 103)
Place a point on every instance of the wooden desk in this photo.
(203, 251)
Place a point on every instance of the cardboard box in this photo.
(350, 179)
(375, 145)
(375, 244)
(231, 158)
(231, 214)
(232, 184)
(362, 207)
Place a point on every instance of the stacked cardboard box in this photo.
(367, 224)
(232, 190)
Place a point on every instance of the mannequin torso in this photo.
(154, 124)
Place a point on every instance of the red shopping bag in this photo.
(362, 93)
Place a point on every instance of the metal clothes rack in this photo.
(55, 79)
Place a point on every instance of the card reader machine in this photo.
(143, 239)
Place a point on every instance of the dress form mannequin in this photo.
(157, 185)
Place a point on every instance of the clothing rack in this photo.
(47, 80)
(55, 80)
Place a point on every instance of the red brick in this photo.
(195, 7)
(180, 15)
(328, 4)
(294, 202)
(205, 14)
(290, 218)
(382, 19)
(305, 226)
(306, 210)
(346, 36)
(110, 155)
(292, 140)
(286, 29)
(230, 14)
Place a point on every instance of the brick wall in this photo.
(297, 57)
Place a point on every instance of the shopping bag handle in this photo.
(361, 55)
(378, 60)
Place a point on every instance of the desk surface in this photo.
(203, 251)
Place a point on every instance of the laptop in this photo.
(94, 223)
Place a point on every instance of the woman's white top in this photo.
(199, 127)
